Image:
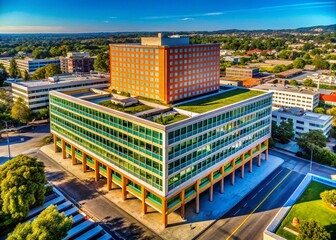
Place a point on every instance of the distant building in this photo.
(303, 121)
(168, 69)
(29, 64)
(236, 72)
(77, 62)
(292, 96)
(289, 73)
(232, 59)
(36, 92)
(224, 81)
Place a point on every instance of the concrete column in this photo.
(251, 163)
(259, 159)
(197, 197)
(123, 188)
(143, 198)
(73, 156)
(242, 170)
(182, 204)
(96, 170)
(84, 162)
(109, 178)
(211, 187)
(222, 185)
(63, 149)
(164, 213)
(233, 177)
(55, 143)
(266, 154)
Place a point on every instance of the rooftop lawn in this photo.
(219, 100)
(310, 205)
(165, 120)
(131, 109)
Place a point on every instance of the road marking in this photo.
(245, 205)
(236, 212)
(255, 209)
(254, 196)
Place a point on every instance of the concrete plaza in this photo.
(193, 224)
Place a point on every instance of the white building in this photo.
(292, 96)
(303, 121)
(29, 64)
(36, 93)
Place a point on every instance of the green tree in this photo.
(39, 73)
(6, 101)
(299, 63)
(3, 74)
(26, 75)
(102, 63)
(319, 110)
(51, 70)
(54, 51)
(311, 140)
(49, 225)
(43, 113)
(311, 230)
(329, 197)
(13, 69)
(22, 181)
(293, 82)
(284, 132)
(308, 82)
(319, 63)
(332, 112)
(20, 111)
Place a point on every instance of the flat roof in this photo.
(62, 80)
(305, 115)
(287, 88)
(228, 97)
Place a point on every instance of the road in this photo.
(84, 193)
(23, 143)
(249, 218)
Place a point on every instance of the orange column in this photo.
(182, 204)
(197, 197)
(73, 156)
(144, 205)
(109, 178)
(222, 181)
(211, 187)
(84, 162)
(242, 170)
(96, 170)
(251, 163)
(63, 149)
(259, 156)
(164, 212)
(233, 177)
(123, 189)
(266, 152)
(55, 143)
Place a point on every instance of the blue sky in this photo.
(161, 15)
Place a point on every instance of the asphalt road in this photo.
(249, 218)
(84, 193)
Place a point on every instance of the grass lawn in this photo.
(219, 100)
(170, 119)
(310, 205)
(131, 109)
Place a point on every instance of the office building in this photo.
(36, 92)
(303, 121)
(77, 62)
(28, 64)
(291, 96)
(237, 72)
(167, 69)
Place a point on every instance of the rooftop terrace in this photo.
(219, 100)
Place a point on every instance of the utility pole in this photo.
(8, 144)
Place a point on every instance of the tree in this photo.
(308, 82)
(332, 112)
(319, 63)
(26, 75)
(319, 110)
(312, 230)
(3, 74)
(20, 111)
(293, 82)
(329, 197)
(102, 63)
(51, 70)
(22, 185)
(6, 101)
(284, 132)
(311, 140)
(49, 225)
(54, 51)
(299, 63)
(43, 113)
(39, 73)
(13, 69)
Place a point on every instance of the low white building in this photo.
(303, 121)
(36, 93)
(292, 96)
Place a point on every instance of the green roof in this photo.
(219, 100)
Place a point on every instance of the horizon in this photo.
(108, 17)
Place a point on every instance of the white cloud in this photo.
(187, 19)
(213, 14)
(31, 29)
(113, 17)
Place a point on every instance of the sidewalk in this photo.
(178, 228)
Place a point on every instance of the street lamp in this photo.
(8, 144)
